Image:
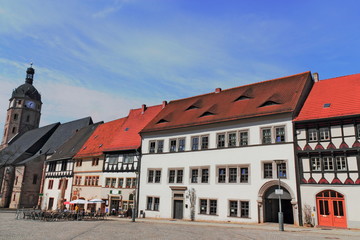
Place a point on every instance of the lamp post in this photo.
(279, 192)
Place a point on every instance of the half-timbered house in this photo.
(327, 153)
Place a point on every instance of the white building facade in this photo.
(206, 168)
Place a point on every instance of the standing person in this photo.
(129, 212)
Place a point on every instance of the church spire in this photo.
(30, 74)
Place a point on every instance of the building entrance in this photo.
(331, 209)
(272, 206)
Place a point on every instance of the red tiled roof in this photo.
(264, 98)
(342, 93)
(128, 136)
(100, 138)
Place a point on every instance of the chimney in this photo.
(316, 77)
(217, 90)
(164, 104)
(143, 108)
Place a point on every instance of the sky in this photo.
(101, 58)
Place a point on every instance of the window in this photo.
(128, 182)
(268, 170)
(113, 182)
(156, 146)
(358, 131)
(194, 175)
(222, 175)
(341, 163)
(221, 140)
(328, 164)
(95, 162)
(232, 139)
(78, 162)
(112, 161)
(203, 206)
(120, 182)
(204, 175)
(171, 176)
(279, 134)
(313, 135)
(231, 174)
(179, 177)
(157, 176)
(213, 207)
(244, 138)
(15, 116)
(234, 210)
(154, 176)
(27, 118)
(35, 177)
(77, 180)
(153, 203)
(173, 145)
(208, 206)
(52, 167)
(281, 170)
(152, 147)
(204, 142)
(244, 175)
(51, 184)
(244, 209)
(63, 165)
(160, 146)
(266, 135)
(315, 164)
(324, 134)
(233, 205)
(13, 130)
(181, 145)
(195, 143)
(128, 158)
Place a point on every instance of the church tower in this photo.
(24, 109)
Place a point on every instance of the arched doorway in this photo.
(331, 209)
(271, 206)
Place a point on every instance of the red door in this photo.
(331, 209)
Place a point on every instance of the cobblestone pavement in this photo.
(116, 228)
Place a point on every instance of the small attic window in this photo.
(126, 129)
(327, 105)
(84, 148)
(162, 121)
(192, 107)
(242, 97)
(100, 145)
(95, 136)
(268, 103)
(207, 114)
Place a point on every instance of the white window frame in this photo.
(328, 163)
(313, 135)
(324, 134)
(247, 137)
(227, 174)
(341, 163)
(228, 139)
(315, 163)
(176, 175)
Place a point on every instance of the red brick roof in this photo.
(100, 138)
(264, 98)
(128, 136)
(342, 93)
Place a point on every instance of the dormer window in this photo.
(192, 107)
(327, 105)
(207, 114)
(162, 121)
(268, 103)
(242, 97)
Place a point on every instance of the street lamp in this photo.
(279, 192)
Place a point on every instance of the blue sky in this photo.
(101, 58)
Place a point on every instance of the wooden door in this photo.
(331, 209)
(178, 209)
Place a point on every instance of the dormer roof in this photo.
(281, 95)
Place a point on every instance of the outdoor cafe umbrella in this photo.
(66, 203)
(78, 201)
(96, 200)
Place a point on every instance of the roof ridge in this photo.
(340, 77)
(246, 85)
